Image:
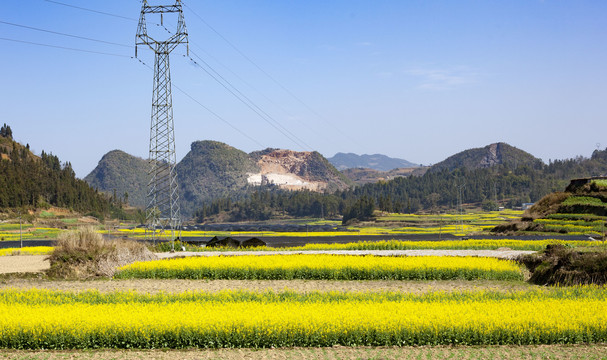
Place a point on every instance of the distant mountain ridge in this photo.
(380, 162)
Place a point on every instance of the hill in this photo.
(123, 173)
(343, 161)
(489, 156)
(29, 181)
(213, 170)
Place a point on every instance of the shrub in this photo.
(560, 265)
(84, 253)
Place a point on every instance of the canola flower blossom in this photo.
(334, 267)
(44, 319)
(474, 244)
(28, 250)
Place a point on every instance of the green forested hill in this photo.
(488, 156)
(30, 181)
(212, 169)
(122, 173)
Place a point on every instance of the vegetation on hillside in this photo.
(508, 184)
(28, 181)
(488, 156)
(123, 176)
(581, 209)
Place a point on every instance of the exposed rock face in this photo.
(296, 171)
(493, 156)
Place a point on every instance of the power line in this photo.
(257, 90)
(284, 88)
(208, 109)
(63, 47)
(91, 10)
(244, 99)
(63, 34)
(249, 103)
(229, 87)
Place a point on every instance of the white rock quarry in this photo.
(284, 168)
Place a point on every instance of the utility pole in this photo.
(162, 210)
(20, 231)
(497, 206)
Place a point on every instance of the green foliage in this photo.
(362, 209)
(513, 185)
(584, 200)
(601, 183)
(123, 174)
(27, 181)
(6, 132)
(491, 155)
(267, 202)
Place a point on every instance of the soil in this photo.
(175, 286)
(23, 264)
(504, 253)
(597, 351)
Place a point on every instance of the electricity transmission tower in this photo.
(163, 214)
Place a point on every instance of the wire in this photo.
(269, 76)
(215, 75)
(91, 10)
(258, 91)
(64, 34)
(250, 104)
(207, 109)
(63, 47)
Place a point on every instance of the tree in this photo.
(362, 209)
(6, 132)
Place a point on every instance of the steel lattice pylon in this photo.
(163, 213)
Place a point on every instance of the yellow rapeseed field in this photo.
(335, 267)
(51, 319)
(28, 250)
(475, 244)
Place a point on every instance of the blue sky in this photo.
(419, 80)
